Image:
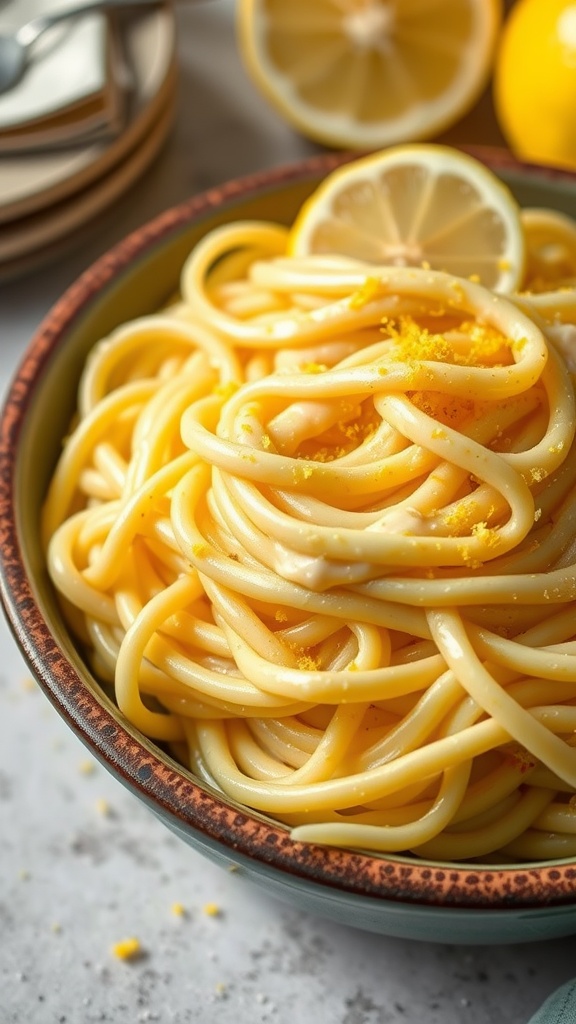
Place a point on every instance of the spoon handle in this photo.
(28, 34)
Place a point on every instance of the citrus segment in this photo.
(550, 250)
(416, 205)
(367, 73)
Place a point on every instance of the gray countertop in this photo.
(82, 864)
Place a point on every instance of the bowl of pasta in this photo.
(294, 552)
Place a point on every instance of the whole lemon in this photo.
(535, 81)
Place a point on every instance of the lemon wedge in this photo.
(362, 74)
(417, 205)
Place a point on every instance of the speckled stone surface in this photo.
(82, 864)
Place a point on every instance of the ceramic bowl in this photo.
(392, 895)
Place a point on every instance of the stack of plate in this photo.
(61, 167)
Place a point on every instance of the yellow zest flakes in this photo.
(313, 368)
(307, 664)
(301, 472)
(469, 344)
(519, 344)
(372, 288)
(503, 264)
(211, 910)
(486, 343)
(352, 666)
(328, 454)
(247, 428)
(537, 474)
(537, 514)
(488, 536)
(555, 449)
(467, 558)
(225, 390)
(280, 615)
(199, 550)
(103, 807)
(414, 342)
(178, 909)
(458, 517)
(265, 441)
(474, 278)
(438, 434)
(127, 949)
(86, 767)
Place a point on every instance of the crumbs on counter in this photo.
(87, 767)
(211, 910)
(178, 909)
(28, 683)
(56, 928)
(128, 949)
(103, 807)
(24, 875)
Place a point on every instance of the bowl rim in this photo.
(143, 768)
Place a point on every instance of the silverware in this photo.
(16, 48)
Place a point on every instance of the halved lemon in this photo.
(362, 74)
(417, 205)
(550, 250)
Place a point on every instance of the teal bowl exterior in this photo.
(391, 895)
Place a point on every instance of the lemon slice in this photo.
(417, 205)
(550, 250)
(362, 74)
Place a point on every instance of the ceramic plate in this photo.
(29, 242)
(33, 182)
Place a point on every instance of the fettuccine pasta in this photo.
(315, 523)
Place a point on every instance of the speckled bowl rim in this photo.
(142, 767)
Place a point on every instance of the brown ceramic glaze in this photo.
(170, 791)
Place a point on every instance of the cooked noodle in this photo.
(316, 523)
